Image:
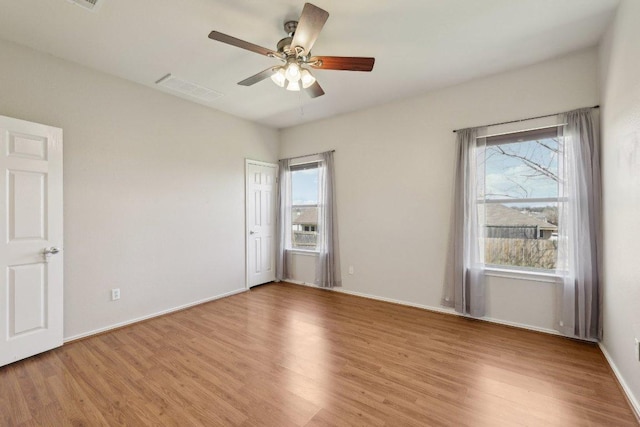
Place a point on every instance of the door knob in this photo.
(51, 251)
(252, 232)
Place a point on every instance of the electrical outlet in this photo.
(115, 294)
(351, 269)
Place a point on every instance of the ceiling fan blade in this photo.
(224, 38)
(314, 90)
(347, 63)
(258, 77)
(311, 22)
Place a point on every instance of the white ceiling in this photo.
(419, 45)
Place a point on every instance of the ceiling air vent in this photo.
(189, 89)
(87, 4)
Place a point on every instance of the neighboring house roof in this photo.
(305, 215)
(497, 215)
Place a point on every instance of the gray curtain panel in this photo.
(328, 274)
(283, 220)
(579, 226)
(464, 286)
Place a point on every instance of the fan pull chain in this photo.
(301, 104)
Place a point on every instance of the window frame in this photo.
(515, 271)
(303, 164)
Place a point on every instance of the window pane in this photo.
(304, 212)
(527, 169)
(521, 235)
(304, 186)
(304, 228)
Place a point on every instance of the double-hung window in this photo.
(518, 202)
(530, 200)
(307, 217)
(304, 206)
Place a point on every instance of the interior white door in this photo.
(30, 239)
(261, 224)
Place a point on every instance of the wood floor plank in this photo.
(287, 355)
(13, 400)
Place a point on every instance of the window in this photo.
(304, 206)
(519, 200)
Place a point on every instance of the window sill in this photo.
(534, 276)
(303, 252)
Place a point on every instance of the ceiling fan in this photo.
(295, 53)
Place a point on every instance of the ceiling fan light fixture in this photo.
(279, 77)
(295, 53)
(307, 78)
(293, 86)
(293, 72)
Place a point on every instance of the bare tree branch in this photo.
(541, 169)
(524, 190)
(548, 147)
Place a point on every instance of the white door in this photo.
(261, 222)
(30, 239)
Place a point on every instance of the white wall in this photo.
(620, 85)
(154, 188)
(394, 177)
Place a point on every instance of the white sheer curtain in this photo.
(328, 274)
(464, 277)
(283, 220)
(579, 226)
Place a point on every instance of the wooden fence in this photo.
(305, 239)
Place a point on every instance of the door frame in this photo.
(248, 162)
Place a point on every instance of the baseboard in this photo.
(635, 405)
(149, 316)
(444, 310)
(395, 301)
(522, 326)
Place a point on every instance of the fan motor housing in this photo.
(284, 45)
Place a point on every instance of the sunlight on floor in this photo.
(307, 359)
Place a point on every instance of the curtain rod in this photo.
(520, 131)
(522, 120)
(307, 155)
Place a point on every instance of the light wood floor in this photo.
(286, 355)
